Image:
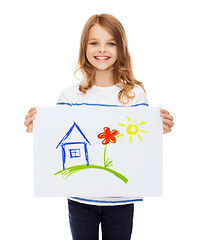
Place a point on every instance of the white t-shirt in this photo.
(106, 96)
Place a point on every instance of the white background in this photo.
(39, 45)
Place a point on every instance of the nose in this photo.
(102, 48)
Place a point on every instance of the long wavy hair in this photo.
(122, 68)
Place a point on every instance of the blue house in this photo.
(74, 151)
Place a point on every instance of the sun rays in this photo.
(132, 129)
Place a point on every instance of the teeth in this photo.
(102, 58)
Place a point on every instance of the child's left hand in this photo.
(167, 121)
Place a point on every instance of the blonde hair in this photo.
(122, 68)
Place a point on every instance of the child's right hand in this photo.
(29, 119)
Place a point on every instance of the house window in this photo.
(74, 153)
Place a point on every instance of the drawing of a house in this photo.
(74, 147)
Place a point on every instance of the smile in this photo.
(102, 58)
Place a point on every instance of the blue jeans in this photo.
(116, 221)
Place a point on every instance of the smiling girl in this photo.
(105, 63)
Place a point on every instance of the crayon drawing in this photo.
(107, 135)
(74, 151)
(132, 129)
(98, 151)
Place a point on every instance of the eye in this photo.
(93, 43)
(111, 44)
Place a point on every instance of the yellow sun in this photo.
(132, 129)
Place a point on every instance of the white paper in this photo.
(66, 139)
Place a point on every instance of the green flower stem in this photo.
(105, 154)
(77, 168)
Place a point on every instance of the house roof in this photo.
(69, 132)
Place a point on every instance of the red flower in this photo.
(108, 136)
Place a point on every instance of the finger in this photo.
(30, 128)
(167, 126)
(31, 113)
(164, 111)
(165, 115)
(33, 108)
(166, 129)
(29, 121)
(168, 122)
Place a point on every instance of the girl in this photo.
(105, 63)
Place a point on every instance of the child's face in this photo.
(101, 49)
